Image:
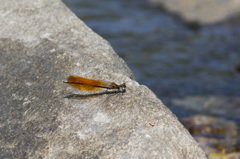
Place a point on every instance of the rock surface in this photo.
(41, 43)
(204, 11)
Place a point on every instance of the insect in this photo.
(86, 84)
(152, 124)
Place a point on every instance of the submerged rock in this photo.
(202, 12)
(215, 135)
(213, 105)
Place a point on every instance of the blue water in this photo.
(163, 53)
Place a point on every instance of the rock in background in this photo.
(41, 43)
(202, 12)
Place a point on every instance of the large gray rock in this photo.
(43, 42)
(202, 11)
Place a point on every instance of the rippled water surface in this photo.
(164, 54)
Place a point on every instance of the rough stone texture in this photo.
(201, 11)
(41, 43)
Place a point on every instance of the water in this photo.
(164, 54)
